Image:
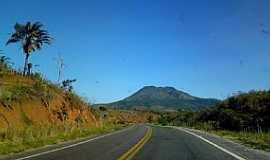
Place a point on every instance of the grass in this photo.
(17, 140)
(251, 139)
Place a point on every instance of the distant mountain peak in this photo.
(155, 91)
(164, 97)
(158, 88)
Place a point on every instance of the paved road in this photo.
(172, 144)
(106, 148)
(164, 144)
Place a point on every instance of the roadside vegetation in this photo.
(13, 140)
(251, 139)
(244, 117)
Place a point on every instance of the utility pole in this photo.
(60, 68)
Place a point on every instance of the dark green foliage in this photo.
(67, 84)
(163, 120)
(167, 118)
(102, 108)
(246, 111)
(150, 119)
(243, 112)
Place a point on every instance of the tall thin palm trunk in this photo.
(25, 63)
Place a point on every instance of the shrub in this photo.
(6, 99)
(101, 108)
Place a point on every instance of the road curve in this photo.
(140, 142)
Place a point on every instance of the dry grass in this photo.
(252, 139)
(17, 140)
(128, 116)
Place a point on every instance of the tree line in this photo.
(242, 112)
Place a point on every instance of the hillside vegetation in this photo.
(117, 116)
(244, 117)
(246, 111)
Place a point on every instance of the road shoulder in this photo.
(234, 147)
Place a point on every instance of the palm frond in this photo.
(18, 35)
(31, 35)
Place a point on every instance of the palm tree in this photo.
(31, 36)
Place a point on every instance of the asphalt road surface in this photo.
(139, 142)
(172, 144)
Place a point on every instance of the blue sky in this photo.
(113, 48)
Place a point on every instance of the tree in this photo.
(32, 37)
(67, 84)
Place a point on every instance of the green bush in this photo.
(6, 97)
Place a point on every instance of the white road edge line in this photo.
(73, 145)
(213, 144)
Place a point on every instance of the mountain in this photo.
(169, 98)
